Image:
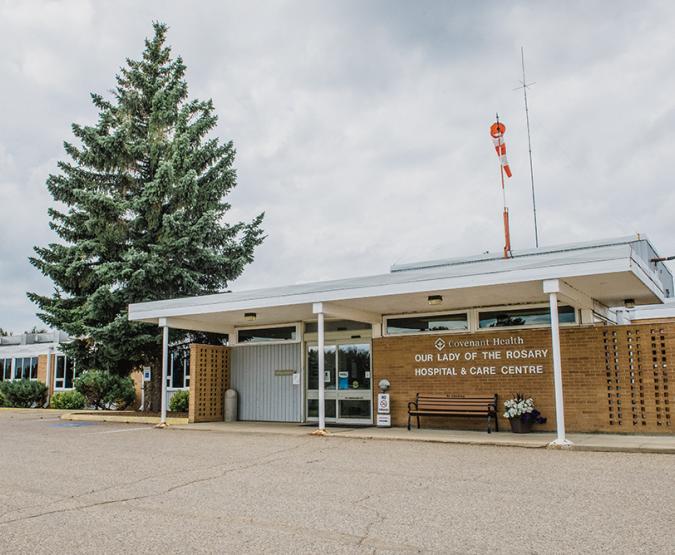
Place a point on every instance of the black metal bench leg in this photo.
(418, 421)
(488, 427)
(408, 421)
(496, 423)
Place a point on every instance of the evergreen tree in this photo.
(144, 213)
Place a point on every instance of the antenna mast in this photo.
(497, 131)
(524, 86)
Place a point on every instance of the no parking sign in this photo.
(383, 416)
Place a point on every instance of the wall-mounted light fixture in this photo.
(629, 303)
(435, 299)
(250, 316)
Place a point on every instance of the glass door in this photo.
(330, 397)
(347, 382)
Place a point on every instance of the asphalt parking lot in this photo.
(74, 487)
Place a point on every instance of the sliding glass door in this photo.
(347, 383)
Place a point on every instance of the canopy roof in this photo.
(607, 272)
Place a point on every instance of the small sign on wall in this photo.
(383, 403)
(384, 420)
(383, 416)
(284, 372)
(147, 374)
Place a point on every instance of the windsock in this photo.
(497, 131)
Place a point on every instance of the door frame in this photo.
(334, 394)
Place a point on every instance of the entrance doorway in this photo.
(347, 382)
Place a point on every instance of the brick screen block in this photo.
(209, 379)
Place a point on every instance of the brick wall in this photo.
(42, 371)
(137, 377)
(209, 379)
(615, 378)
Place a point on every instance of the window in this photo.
(26, 368)
(506, 317)
(64, 373)
(262, 335)
(337, 325)
(5, 369)
(429, 323)
(179, 367)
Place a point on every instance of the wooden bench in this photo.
(442, 405)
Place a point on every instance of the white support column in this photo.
(318, 309)
(322, 381)
(165, 368)
(552, 287)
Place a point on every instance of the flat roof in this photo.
(654, 311)
(518, 253)
(607, 271)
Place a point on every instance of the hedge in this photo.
(104, 390)
(23, 393)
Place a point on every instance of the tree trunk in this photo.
(153, 393)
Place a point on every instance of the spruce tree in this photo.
(144, 213)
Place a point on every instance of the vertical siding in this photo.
(262, 395)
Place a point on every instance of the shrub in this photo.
(104, 390)
(69, 400)
(2, 399)
(23, 393)
(180, 401)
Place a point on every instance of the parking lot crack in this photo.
(225, 471)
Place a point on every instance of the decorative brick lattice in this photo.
(637, 374)
(209, 378)
(659, 359)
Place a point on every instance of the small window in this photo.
(18, 368)
(5, 369)
(525, 317)
(26, 368)
(337, 325)
(262, 335)
(179, 367)
(65, 373)
(431, 323)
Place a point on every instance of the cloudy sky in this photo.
(362, 126)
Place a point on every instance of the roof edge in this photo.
(488, 256)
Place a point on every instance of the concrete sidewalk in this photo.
(582, 442)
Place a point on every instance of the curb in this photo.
(121, 419)
(544, 444)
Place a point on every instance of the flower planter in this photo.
(519, 426)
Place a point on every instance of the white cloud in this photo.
(362, 127)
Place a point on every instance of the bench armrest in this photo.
(412, 404)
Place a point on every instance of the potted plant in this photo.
(521, 413)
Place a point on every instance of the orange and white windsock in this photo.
(497, 131)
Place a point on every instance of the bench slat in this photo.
(432, 412)
(474, 405)
(466, 401)
(443, 405)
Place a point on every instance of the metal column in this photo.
(322, 384)
(165, 369)
(552, 287)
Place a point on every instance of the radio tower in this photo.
(524, 85)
